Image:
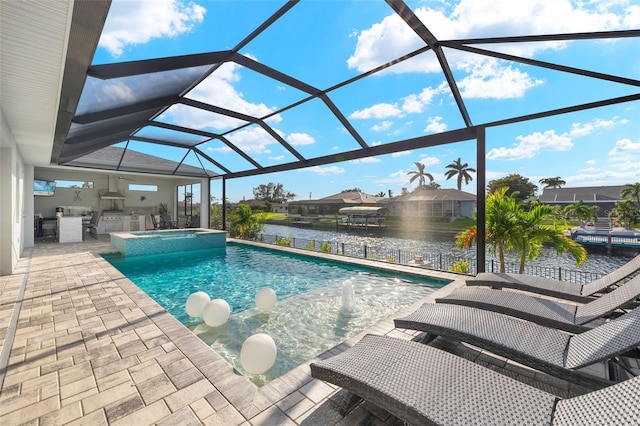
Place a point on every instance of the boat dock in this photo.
(608, 239)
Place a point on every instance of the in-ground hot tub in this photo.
(167, 241)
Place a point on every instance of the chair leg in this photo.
(352, 403)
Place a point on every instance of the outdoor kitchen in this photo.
(60, 212)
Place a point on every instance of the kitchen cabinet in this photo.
(70, 229)
(114, 222)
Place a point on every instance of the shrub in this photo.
(282, 241)
(460, 266)
(325, 247)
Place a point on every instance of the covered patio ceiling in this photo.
(149, 92)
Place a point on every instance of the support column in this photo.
(481, 176)
(224, 203)
(205, 203)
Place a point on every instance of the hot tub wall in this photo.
(145, 243)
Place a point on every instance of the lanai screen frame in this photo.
(86, 27)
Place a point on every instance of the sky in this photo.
(324, 43)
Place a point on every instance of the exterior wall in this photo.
(467, 209)
(431, 208)
(12, 200)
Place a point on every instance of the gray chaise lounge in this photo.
(561, 289)
(569, 317)
(423, 385)
(545, 349)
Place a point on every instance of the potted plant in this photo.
(163, 209)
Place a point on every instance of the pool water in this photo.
(308, 318)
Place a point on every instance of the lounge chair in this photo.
(568, 317)
(542, 348)
(561, 289)
(423, 385)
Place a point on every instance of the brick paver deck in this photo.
(86, 346)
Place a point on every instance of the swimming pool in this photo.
(307, 319)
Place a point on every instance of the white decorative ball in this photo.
(265, 299)
(258, 353)
(216, 313)
(195, 303)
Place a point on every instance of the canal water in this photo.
(433, 244)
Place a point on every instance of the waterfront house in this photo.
(332, 204)
(605, 197)
(431, 202)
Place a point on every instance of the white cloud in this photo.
(591, 162)
(380, 127)
(401, 153)
(490, 80)
(624, 148)
(391, 38)
(530, 145)
(138, 22)
(429, 161)
(223, 149)
(252, 140)
(583, 129)
(277, 158)
(365, 160)
(218, 89)
(632, 19)
(588, 170)
(379, 111)
(435, 125)
(415, 103)
(324, 171)
(397, 178)
(297, 139)
(606, 177)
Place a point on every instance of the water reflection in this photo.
(430, 244)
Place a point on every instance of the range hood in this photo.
(114, 191)
(112, 196)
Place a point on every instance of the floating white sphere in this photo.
(216, 312)
(195, 303)
(266, 299)
(258, 353)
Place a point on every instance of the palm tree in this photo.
(582, 212)
(460, 170)
(626, 213)
(632, 190)
(531, 233)
(552, 182)
(244, 222)
(501, 214)
(510, 227)
(420, 174)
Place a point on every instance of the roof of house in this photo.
(584, 193)
(347, 197)
(423, 195)
(113, 157)
(365, 210)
